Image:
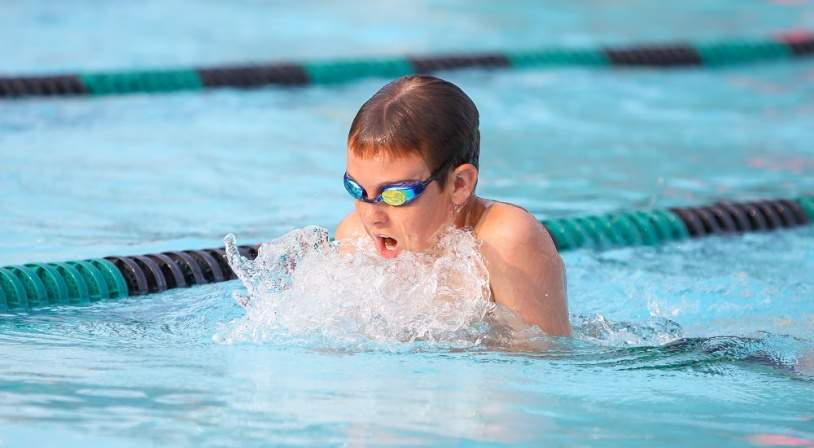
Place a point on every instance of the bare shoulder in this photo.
(350, 227)
(508, 227)
(526, 274)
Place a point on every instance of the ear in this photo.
(463, 180)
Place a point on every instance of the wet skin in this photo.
(526, 274)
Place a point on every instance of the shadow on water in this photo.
(716, 355)
(707, 355)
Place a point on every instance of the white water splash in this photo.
(600, 330)
(303, 288)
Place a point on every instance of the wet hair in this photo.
(419, 114)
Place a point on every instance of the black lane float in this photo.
(37, 285)
(665, 55)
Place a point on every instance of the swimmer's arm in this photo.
(526, 272)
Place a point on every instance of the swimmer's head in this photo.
(415, 129)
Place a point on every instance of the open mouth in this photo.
(387, 246)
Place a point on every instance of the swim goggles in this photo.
(398, 194)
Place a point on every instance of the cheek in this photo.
(419, 224)
(408, 221)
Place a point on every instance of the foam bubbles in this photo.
(303, 288)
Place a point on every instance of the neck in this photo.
(468, 215)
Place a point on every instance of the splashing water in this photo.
(301, 288)
(597, 329)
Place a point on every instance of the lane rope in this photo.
(717, 53)
(36, 285)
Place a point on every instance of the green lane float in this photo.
(36, 285)
(652, 227)
(807, 203)
(147, 81)
(741, 52)
(326, 72)
(330, 72)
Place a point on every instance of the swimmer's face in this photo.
(413, 226)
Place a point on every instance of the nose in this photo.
(373, 215)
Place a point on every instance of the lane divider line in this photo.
(36, 285)
(717, 53)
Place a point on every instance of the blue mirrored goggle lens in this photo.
(395, 196)
(354, 189)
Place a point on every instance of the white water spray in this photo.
(301, 287)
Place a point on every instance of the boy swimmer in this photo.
(412, 167)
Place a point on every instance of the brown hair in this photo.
(419, 114)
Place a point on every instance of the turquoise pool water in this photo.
(703, 343)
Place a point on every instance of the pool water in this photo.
(704, 343)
